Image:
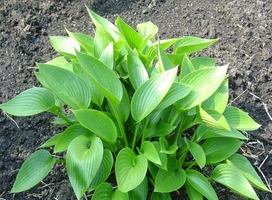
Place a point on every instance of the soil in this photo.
(244, 26)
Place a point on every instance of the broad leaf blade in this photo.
(64, 45)
(140, 192)
(85, 41)
(34, 169)
(247, 170)
(97, 122)
(107, 56)
(103, 192)
(192, 193)
(29, 102)
(202, 62)
(200, 183)
(151, 93)
(150, 152)
(83, 159)
(186, 68)
(238, 119)
(160, 196)
(197, 152)
(230, 177)
(68, 86)
(130, 169)
(159, 130)
(147, 29)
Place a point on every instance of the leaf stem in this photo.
(175, 117)
(144, 128)
(60, 161)
(135, 135)
(62, 116)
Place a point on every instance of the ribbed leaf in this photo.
(151, 93)
(164, 62)
(124, 106)
(165, 148)
(105, 192)
(190, 44)
(140, 192)
(238, 119)
(136, 70)
(169, 181)
(102, 77)
(29, 102)
(192, 193)
(103, 171)
(147, 29)
(33, 170)
(197, 152)
(64, 45)
(130, 170)
(187, 67)
(163, 156)
(68, 135)
(160, 196)
(51, 142)
(231, 177)
(247, 170)
(202, 62)
(68, 86)
(97, 122)
(150, 152)
(85, 41)
(60, 121)
(100, 43)
(62, 62)
(133, 38)
(159, 130)
(204, 82)
(176, 92)
(219, 149)
(83, 159)
(200, 183)
(107, 56)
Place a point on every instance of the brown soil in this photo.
(244, 26)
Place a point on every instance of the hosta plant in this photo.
(142, 109)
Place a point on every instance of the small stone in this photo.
(145, 11)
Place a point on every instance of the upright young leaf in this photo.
(30, 102)
(107, 56)
(204, 82)
(83, 159)
(164, 62)
(133, 38)
(130, 170)
(102, 77)
(247, 170)
(231, 177)
(186, 68)
(140, 192)
(190, 44)
(85, 41)
(238, 119)
(34, 169)
(219, 149)
(147, 29)
(151, 93)
(100, 43)
(200, 183)
(150, 152)
(97, 122)
(65, 45)
(68, 86)
(197, 152)
(136, 70)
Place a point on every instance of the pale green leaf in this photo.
(61, 62)
(163, 156)
(147, 29)
(158, 130)
(60, 121)
(97, 122)
(83, 159)
(140, 192)
(30, 102)
(186, 68)
(164, 62)
(160, 196)
(150, 152)
(124, 106)
(33, 170)
(192, 193)
(65, 45)
(100, 43)
(202, 62)
(105, 192)
(107, 56)
(150, 94)
(231, 177)
(52, 141)
(197, 152)
(165, 148)
(130, 170)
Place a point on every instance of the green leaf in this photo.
(186, 68)
(136, 70)
(202, 62)
(165, 146)
(163, 156)
(219, 149)
(83, 159)
(204, 132)
(30, 102)
(160, 196)
(150, 152)
(68, 86)
(190, 44)
(212, 119)
(97, 122)
(247, 170)
(147, 29)
(158, 130)
(104, 25)
(164, 62)
(107, 56)
(133, 38)
(197, 152)
(51, 142)
(85, 41)
(102, 77)
(68, 135)
(169, 181)
(60, 121)
(192, 193)
(103, 171)
(176, 59)
(100, 43)
(33, 170)
(130, 170)
(231, 177)
(204, 82)
(140, 192)
(124, 106)
(238, 119)
(62, 62)
(200, 183)
(218, 101)
(105, 192)
(150, 94)
(176, 92)
(64, 45)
